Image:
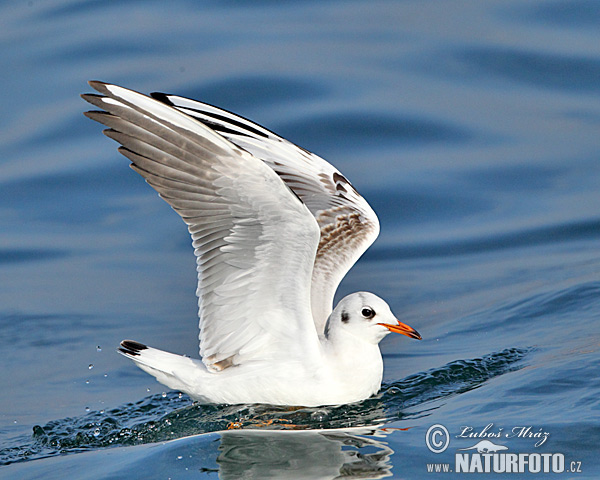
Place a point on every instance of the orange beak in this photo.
(403, 329)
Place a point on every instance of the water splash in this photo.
(167, 416)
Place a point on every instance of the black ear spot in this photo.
(367, 312)
(345, 316)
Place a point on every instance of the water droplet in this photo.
(87, 382)
(102, 411)
(164, 394)
(180, 394)
(147, 389)
(167, 422)
(96, 432)
(90, 366)
(105, 375)
(98, 348)
(87, 409)
(15, 421)
(179, 457)
(319, 415)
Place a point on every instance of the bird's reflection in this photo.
(354, 453)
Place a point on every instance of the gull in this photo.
(275, 229)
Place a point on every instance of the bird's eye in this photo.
(367, 312)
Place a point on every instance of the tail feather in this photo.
(175, 371)
(129, 348)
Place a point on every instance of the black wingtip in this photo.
(162, 97)
(129, 347)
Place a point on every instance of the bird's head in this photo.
(368, 317)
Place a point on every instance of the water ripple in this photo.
(585, 229)
(570, 302)
(572, 13)
(20, 255)
(535, 68)
(169, 416)
(367, 130)
(241, 92)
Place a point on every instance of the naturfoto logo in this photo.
(487, 456)
(485, 446)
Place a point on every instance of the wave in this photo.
(171, 415)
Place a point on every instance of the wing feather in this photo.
(348, 225)
(254, 241)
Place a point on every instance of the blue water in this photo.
(472, 128)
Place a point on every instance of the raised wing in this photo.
(255, 242)
(347, 223)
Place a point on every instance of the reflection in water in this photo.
(248, 454)
(355, 453)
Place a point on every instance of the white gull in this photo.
(275, 228)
